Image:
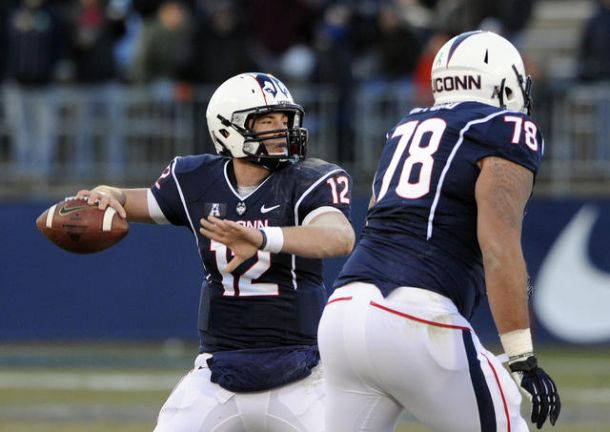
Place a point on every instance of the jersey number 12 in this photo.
(243, 283)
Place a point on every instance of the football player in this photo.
(443, 230)
(262, 217)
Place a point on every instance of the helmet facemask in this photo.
(254, 143)
(526, 92)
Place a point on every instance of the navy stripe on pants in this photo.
(487, 414)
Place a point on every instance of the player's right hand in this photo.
(242, 241)
(102, 200)
(539, 387)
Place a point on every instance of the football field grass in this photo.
(120, 387)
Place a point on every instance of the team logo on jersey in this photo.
(272, 85)
(240, 208)
(218, 210)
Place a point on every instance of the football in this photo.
(78, 227)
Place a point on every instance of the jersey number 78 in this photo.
(418, 155)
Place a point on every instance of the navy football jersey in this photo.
(271, 299)
(422, 229)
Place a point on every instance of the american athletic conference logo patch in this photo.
(218, 210)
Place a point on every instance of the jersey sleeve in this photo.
(512, 136)
(331, 192)
(166, 193)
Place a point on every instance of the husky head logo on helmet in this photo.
(484, 67)
(241, 99)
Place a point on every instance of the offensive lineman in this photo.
(444, 226)
(262, 218)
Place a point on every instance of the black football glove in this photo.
(540, 388)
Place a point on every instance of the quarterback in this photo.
(262, 217)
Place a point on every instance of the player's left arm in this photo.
(329, 234)
(502, 191)
(322, 230)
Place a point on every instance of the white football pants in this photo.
(199, 405)
(411, 351)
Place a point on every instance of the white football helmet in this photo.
(242, 98)
(484, 67)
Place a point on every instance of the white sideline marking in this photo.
(585, 395)
(79, 412)
(586, 367)
(94, 382)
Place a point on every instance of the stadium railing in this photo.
(126, 135)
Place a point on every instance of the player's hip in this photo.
(410, 329)
(198, 404)
(411, 303)
(403, 348)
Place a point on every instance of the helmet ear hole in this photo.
(509, 93)
(224, 133)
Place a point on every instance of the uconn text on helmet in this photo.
(483, 67)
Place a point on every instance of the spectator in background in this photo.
(457, 16)
(220, 45)
(332, 46)
(506, 17)
(163, 47)
(96, 30)
(421, 74)
(594, 53)
(399, 46)
(513, 16)
(387, 44)
(278, 25)
(363, 38)
(36, 48)
(4, 9)
(333, 60)
(147, 9)
(97, 27)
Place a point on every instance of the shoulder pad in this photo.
(185, 164)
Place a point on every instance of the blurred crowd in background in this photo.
(96, 44)
(206, 41)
